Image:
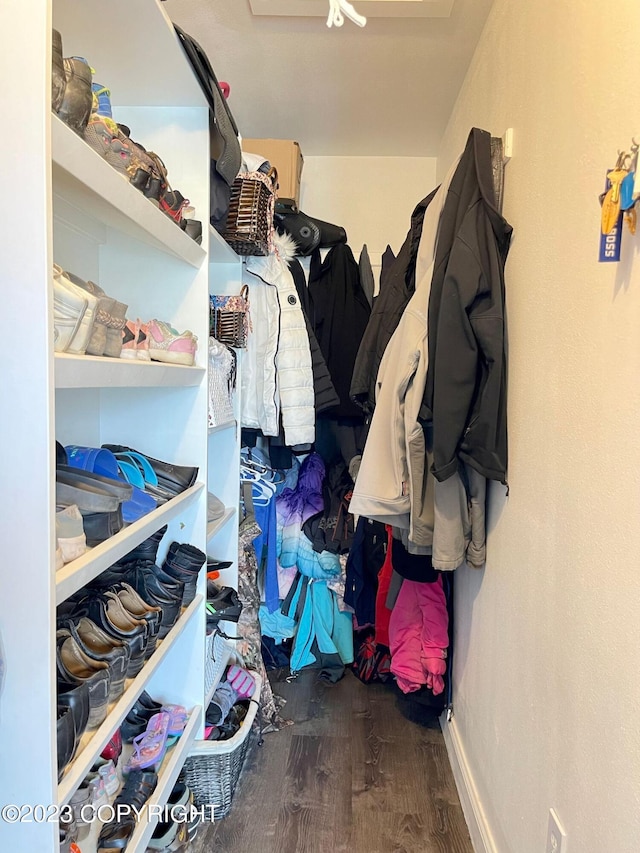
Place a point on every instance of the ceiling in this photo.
(386, 90)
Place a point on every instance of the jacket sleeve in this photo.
(456, 359)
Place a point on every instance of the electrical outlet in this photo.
(556, 836)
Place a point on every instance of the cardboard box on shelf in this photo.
(286, 157)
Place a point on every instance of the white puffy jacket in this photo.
(277, 375)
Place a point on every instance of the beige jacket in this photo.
(394, 483)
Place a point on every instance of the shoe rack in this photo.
(64, 204)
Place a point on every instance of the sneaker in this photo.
(99, 133)
(97, 790)
(59, 557)
(135, 341)
(168, 345)
(69, 308)
(107, 773)
(70, 533)
(173, 205)
(101, 100)
(66, 296)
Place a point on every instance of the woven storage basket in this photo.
(213, 768)
(229, 320)
(250, 221)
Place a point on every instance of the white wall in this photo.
(371, 197)
(547, 671)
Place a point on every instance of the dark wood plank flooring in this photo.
(352, 774)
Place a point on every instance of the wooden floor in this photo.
(352, 775)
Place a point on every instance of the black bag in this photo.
(225, 146)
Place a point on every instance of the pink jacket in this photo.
(419, 636)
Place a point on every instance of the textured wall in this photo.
(372, 197)
(547, 694)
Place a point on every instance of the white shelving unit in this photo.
(66, 205)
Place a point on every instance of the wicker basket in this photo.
(250, 221)
(229, 319)
(213, 768)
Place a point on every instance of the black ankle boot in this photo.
(184, 562)
(146, 550)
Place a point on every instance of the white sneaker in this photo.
(109, 776)
(66, 296)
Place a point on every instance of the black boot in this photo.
(146, 550)
(183, 563)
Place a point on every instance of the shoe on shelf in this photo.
(66, 736)
(115, 836)
(74, 666)
(138, 608)
(135, 341)
(159, 589)
(149, 748)
(97, 342)
(75, 108)
(101, 100)
(168, 345)
(98, 645)
(109, 614)
(173, 204)
(58, 77)
(106, 769)
(138, 786)
(146, 550)
(66, 296)
(75, 696)
(70, 533)
(115, 328)
(69, 308)
(183, 562)
(79, 801)
(113, 750)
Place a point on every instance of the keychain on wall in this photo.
(619, 200)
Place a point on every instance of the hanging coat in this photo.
(341, 314)
(324, 637)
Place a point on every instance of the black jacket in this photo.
(341, 314)
(325, 396)
(466, 386)
(397, 286)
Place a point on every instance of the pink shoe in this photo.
(242, 681)
(168, 345)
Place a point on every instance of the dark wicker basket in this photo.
(250, 219)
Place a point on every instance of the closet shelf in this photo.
(88, 371)
(80, 572)
(93, 742)
(216, 526)
(220, 252)
(86, 181)
(222, 427)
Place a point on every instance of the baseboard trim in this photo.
(481, 835)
